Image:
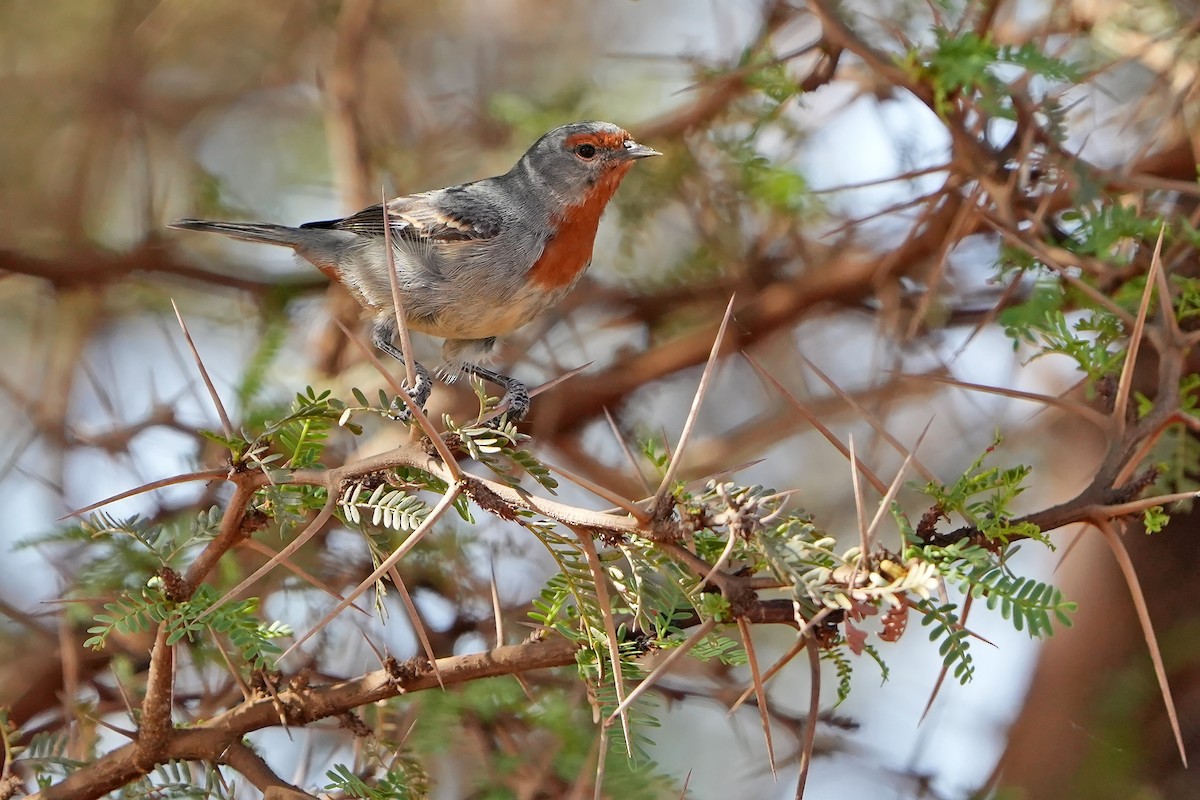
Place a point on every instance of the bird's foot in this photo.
(418, 393)
(517, 397)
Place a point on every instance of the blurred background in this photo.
(803, 186)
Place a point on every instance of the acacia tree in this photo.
(1057, 156)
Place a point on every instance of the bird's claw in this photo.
(517, 397)
(419, 394)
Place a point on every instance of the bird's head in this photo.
(584, 161)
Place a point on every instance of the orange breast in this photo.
(569, 251)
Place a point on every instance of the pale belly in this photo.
(482, 322)
(469, 305)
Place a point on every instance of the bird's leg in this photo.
(383, 335)
(514, 391)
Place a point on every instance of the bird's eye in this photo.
(586, 151)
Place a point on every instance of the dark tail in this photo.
(248, 231)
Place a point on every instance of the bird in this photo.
(475, 261)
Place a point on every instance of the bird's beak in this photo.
(634, 150)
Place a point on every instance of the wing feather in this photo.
(447, 215)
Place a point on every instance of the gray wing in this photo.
(457, 214)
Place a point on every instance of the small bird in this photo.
(473, 262)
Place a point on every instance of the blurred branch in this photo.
(716, 94)
(346, 85)
(99, 268)
(347, 88)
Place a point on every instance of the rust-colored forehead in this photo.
(602, 140)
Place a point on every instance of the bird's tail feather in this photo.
(246, 231)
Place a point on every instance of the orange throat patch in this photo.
(569, 251)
